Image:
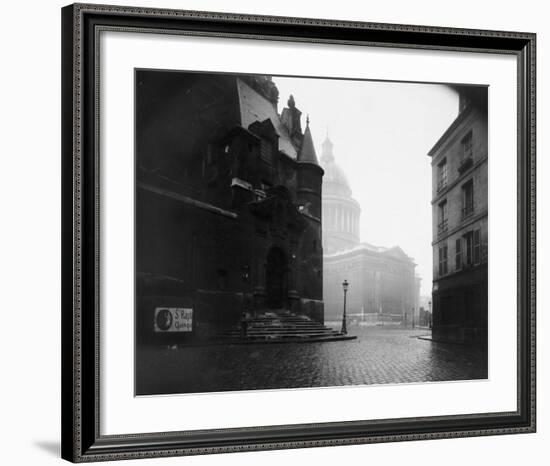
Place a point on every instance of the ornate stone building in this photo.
(460, 223)
(383, 286)
(228, 203)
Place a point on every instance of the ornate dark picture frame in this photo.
(81, 439)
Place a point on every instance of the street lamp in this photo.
(345, 286)
(430, 315)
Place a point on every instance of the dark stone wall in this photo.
(177, 116)
(215, 203)
(460, 307)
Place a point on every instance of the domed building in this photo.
(383, 286)
(340, 211)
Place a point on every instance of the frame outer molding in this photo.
(81, 441)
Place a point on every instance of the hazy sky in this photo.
(382, 133)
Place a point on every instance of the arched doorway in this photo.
(276, 278)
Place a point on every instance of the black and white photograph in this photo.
(304, 232)
(275, 233)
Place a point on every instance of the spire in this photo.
(326, 155)
(307, 151)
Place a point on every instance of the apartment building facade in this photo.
(460, 223)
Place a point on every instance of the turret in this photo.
(310, 176)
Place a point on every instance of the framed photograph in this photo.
(288, 232)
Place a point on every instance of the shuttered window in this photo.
(443, 260)
(477, 246)
(458, 254)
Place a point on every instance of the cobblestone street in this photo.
(378, 356)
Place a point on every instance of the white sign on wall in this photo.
(173, 319)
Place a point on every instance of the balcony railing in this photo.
(465, 164)
(442, 226)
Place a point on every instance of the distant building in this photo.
(228, 211)
(383, 286)
(460, 223)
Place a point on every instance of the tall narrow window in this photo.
(442, 217)
(476, 256)
(468, 199)
(458, 254)
(443, 259)
(442, 175)
(467, 153)
(467, 146)
(469, 244)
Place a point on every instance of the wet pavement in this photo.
(379, 355)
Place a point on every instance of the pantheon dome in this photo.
(341, 213)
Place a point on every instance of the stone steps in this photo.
(282, 326)
(312, 333)
(286, 327)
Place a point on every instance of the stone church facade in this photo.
(383, 286)
(228, 203)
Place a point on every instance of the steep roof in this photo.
(254, 107)
(307, 151)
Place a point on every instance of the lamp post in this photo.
(345, 286)
(430, 314)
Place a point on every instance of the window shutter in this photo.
(477, 246)
(458, 254)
